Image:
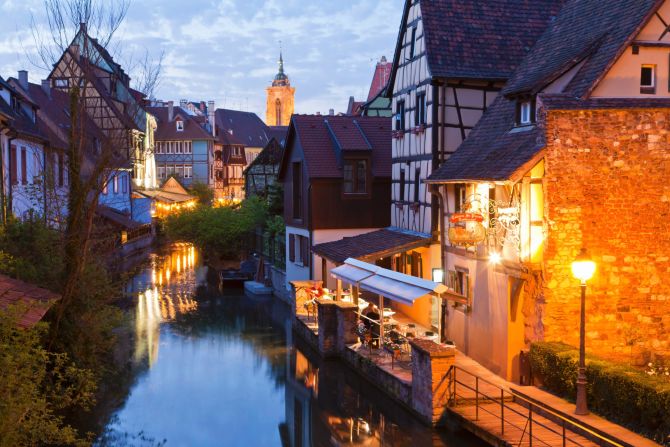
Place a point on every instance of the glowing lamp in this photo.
(495, 258)
(583, 266)
(438, 275)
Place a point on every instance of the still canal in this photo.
(217, 368)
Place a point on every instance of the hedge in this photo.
(620, 393)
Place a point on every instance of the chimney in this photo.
(46, 86)
(318, 113)
(202, 106)
(331, 112)
(170, 110)
(211, 115)
(182, 103)
(82, 27)
(23, 79)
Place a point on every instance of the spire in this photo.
(280, 78)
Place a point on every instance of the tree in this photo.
(35, 385)
(203, 192)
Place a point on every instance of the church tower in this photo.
(280, 101)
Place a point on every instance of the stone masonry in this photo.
(607, 188)
(430, 384)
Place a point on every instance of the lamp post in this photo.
(583, 269)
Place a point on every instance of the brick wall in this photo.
(608, 189)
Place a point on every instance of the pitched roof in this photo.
(247, 127)
(167, 130)
(590, 30)
(270, 155)
(380, 77)
(494, 150)
(278, 133)
(33, 301)
(373, 245)
(323, 138)
(116, 217)
(53, 116)
(478, 39)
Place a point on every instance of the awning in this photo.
(354, 271)
(395, 286)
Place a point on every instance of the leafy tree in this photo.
(35, 387)
(203, 192)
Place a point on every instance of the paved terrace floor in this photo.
(546, 432)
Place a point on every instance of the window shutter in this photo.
(304, 245)
(291, 247)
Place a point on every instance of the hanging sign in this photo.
(466, 229)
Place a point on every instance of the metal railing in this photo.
(529, 411)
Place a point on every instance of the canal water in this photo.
(217, 368)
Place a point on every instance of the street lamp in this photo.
(583, 269)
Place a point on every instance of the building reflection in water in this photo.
(164, 291)
(324, 406)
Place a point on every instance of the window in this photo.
(278, 112)
(420, 111)
(13, 165)
(400, 115)
(188, 171)
(124, 184)
(104, 188)
(401, 194)
(179, 170)
(459, 197)
(459, 281)
(180, 125)
(24, 167)
(412, 42)
(355, 177)
(161, 171)
(525, 112)
(61, 83)
(648, 79)
(297, 190)
(298, 249)
(188, 148)
(417, 177)
(116, 184)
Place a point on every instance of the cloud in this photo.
(227, 50)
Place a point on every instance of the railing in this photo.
(528, 410)
(272, 248)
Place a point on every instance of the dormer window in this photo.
(180, 125)
(525, 112)
(648, 79)
(355, 177)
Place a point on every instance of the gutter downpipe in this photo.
(7, 206)
(2, 177)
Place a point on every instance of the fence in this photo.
(518, 419)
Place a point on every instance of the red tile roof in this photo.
(323, 137)
(167, 130)
(380, 78)
(372, 246)
(33, 302)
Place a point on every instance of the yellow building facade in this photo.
(280, 99)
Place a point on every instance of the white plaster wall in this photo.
(482, 332)
(294, 271)
(623, 79)
(31, 195)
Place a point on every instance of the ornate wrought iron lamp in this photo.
(583, 269)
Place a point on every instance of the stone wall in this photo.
(607, 189)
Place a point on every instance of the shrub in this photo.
(619, 393)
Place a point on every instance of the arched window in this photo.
(278, 111)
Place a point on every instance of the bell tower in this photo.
(280, 98)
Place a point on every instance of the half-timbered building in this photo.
(108, 100)
(572, 155)
(451, 60)
(261, 174)
(335, 172)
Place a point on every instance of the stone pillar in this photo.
(328, 326)
(347, 319)
(300, 294)
(430, 383)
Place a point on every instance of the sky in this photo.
(227, 50)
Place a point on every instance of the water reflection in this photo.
(163, 297)
(225, 370)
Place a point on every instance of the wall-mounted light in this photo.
(495, 258)
(438, 275)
